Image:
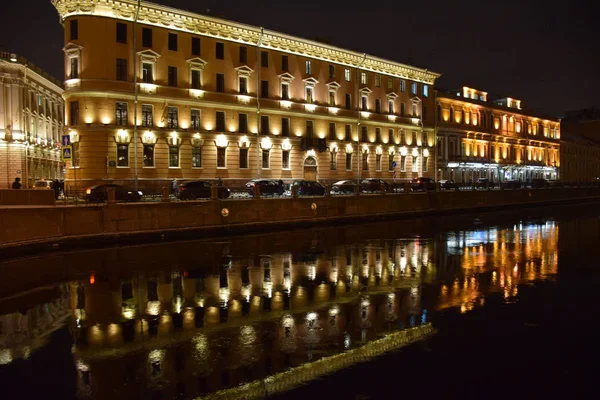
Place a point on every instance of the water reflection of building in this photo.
(24, 328)
(495, 260)
(248, 317)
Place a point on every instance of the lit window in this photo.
(363, 78)
(308, 67)
(377, 80)
(147, 115)
(413, 88)
(174, 156)
(121, 113)
(347, 74)
(196, 157)
(425, 90)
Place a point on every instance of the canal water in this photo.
(511, 295)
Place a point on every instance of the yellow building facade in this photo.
(479, 138)
(218, 99)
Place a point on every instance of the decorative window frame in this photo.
(73, 50)
(309, 83)
(147, 57)
(285, 79)
(198, 64)
(332, 87)
(243, 71)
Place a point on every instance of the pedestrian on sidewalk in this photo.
(17, 183)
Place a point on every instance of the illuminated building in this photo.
(479, 138)
(580, 146)
(31, 122)
(222, 99)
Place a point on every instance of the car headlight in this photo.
(140, 193)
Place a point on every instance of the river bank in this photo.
(36, 229)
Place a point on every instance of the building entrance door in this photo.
(310, 169)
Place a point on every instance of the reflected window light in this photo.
(5, 356)
(153, 308)
(312, 272)
(347, 341)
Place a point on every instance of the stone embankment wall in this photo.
(136, 222)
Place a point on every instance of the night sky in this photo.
(544, 54)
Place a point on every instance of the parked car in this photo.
(372, 185)
(539, 183)
(192, 190)
(267, 187)
(484, 183)
(448, 184)
(98, 193)
(422, 184)
(42, 185)
(345, 186)
(309, 188)
(510, 184)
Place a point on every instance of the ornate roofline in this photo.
(171, 18)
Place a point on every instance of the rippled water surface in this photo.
(181, 320)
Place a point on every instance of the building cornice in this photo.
(171, 18)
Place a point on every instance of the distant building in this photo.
(479, 138)
(31, 122)
(220, 99)
(580, 146)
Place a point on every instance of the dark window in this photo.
(221, 157)
(147, 115)
(195, 79)
(220, 118)
(74, 68)
(309, 130)
(348, 133)
(377, 105)
(332, 135)
(243, 55)
(121, 33)
(378, 135)
(122, 155)
(148, 155)
(196, 157)
(195, 46)
(147, 73)
(285, 159)
(74, 113)
(74, 29)
(331, 71)
(402, 109)
(264, 125)
(332, 99)
(378, 162)
(390, 162)
(243, 85)
(243, 123)
(172, 76)
(265, 158)
(365, 161)
(285, 91)
(172, 117)
(121, 113)
(174, 156)
(285, 127)
(284, 63)
(363, 101)
(364, 136)
(220, 83)
(264, 89)
(146, 37)
(424, 111)
(195, 118)
(348, 101)
(348, 161)
(264, 58)
(244, 157)
(333, 160)
(173, 41)
(220, 51)
(121, 69)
